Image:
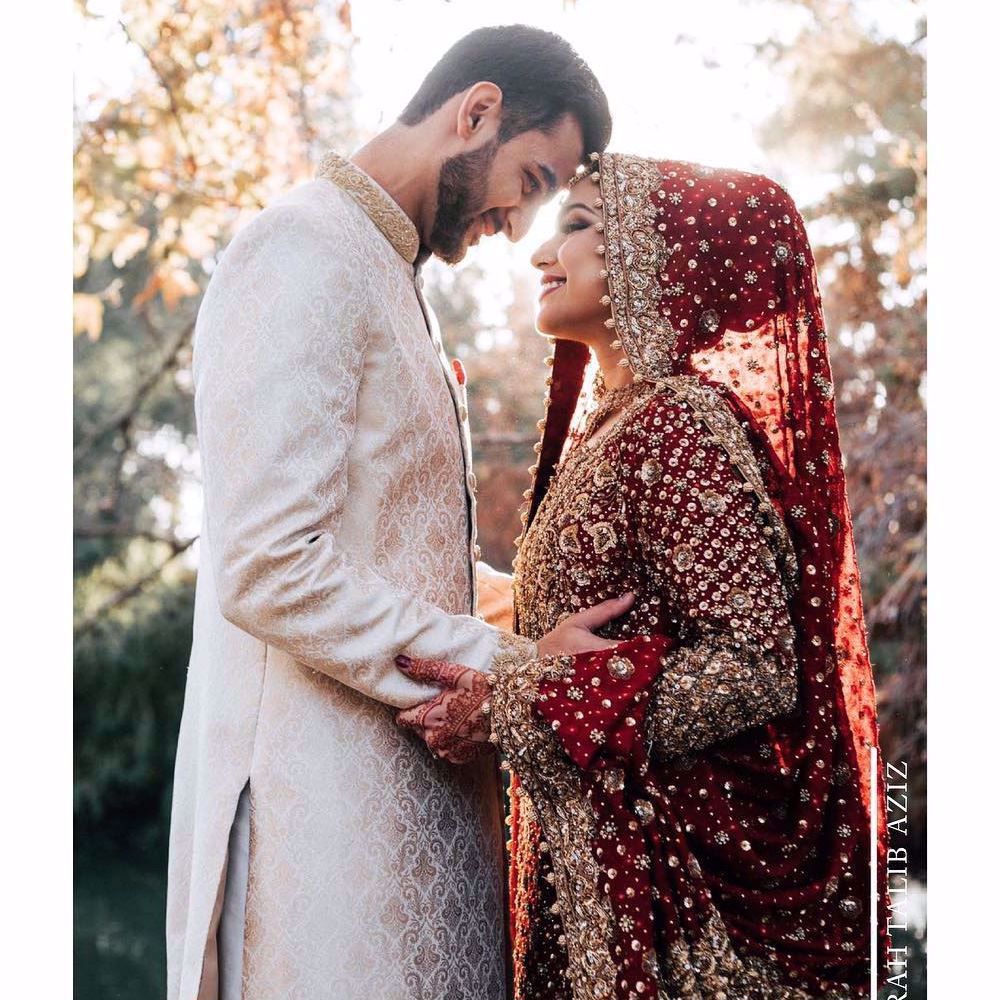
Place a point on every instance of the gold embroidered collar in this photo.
(394, 224)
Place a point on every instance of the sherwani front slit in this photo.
(338, 532)
(232, 917)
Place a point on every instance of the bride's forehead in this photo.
(584, 191)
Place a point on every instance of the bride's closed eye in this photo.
(573, 225)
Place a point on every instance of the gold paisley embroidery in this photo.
(512, 649)
(604, 536)
(394, 224)
(569, 538)
(604, 475)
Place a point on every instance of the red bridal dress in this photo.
(692, 811)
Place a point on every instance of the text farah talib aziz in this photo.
(896, 870)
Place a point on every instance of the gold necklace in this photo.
(611, 400)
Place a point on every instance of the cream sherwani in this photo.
(339, 530)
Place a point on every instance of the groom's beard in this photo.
(461, 198)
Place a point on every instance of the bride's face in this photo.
(569, 305)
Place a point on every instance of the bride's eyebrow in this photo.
(566, 209)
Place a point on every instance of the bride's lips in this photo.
(550, 284)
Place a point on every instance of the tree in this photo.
(228, 103)
(857, 110)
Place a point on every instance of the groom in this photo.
(315, 852)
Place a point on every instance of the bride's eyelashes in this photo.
(573, 226)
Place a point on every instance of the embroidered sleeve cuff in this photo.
(713, 690)
(512, 650)
(513, 725)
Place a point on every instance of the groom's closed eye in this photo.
(548, 180)
(551, 181)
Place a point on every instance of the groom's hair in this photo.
(540, 74)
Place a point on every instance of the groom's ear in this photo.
(479, 111)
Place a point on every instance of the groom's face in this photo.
(499, 188)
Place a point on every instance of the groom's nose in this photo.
(519, 221)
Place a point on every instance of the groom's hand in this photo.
(576, 633)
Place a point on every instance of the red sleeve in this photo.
(600, 699)
(710, 540)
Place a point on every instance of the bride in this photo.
(690, 809)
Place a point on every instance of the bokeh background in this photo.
(190, 115)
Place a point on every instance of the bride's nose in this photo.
(543, 256)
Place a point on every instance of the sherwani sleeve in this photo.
(280, 352)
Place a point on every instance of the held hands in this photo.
(455, 724)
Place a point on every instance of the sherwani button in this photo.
(472, 481)
(463, 413)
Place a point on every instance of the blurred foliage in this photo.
(506, 382)
(230, 102)
(227, 104)
(856, 110)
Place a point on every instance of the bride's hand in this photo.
(455, 724)
(575, 633)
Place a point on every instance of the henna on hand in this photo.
(455, 724)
